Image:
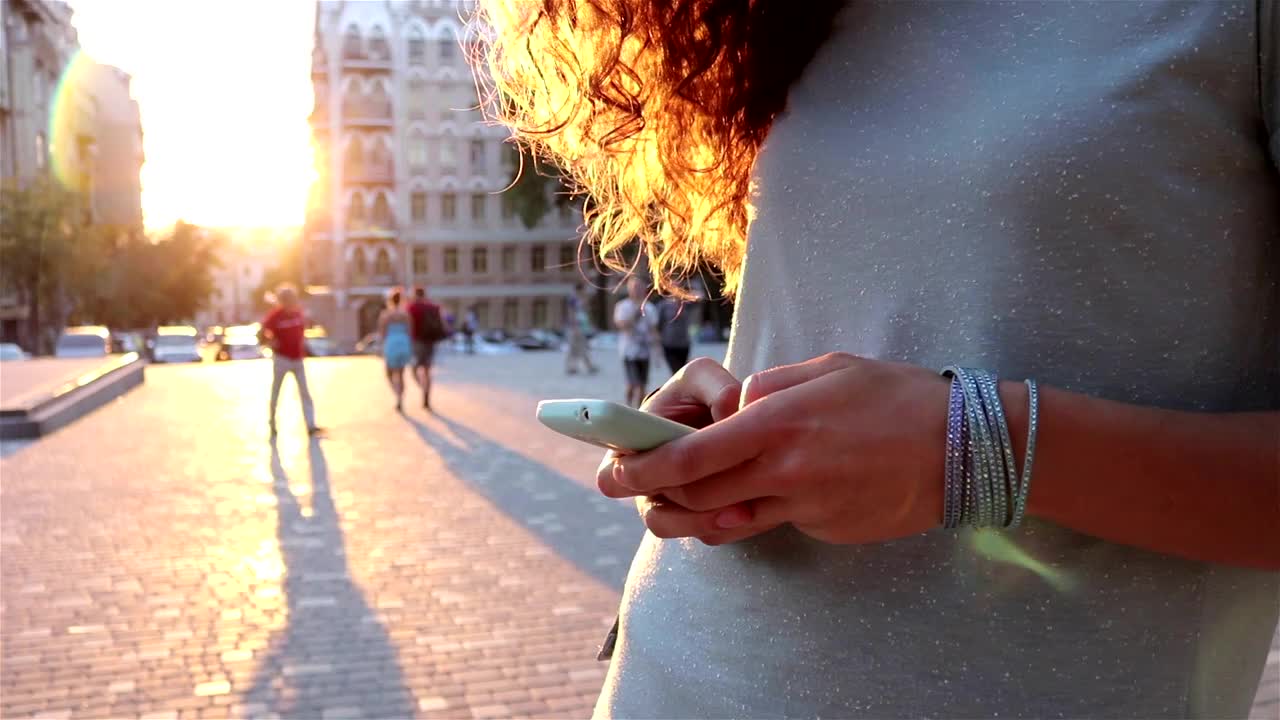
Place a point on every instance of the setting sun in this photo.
(224, 91)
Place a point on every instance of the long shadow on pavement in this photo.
(596, 534)
(334, 654)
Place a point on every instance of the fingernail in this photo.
(617, 473)
(732, 518)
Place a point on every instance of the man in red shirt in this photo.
(428, 329)
(284, 327)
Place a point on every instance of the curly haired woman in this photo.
(1078, 195)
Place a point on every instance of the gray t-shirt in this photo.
(1076, 192)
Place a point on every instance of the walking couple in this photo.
(409, 335)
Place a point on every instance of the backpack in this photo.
(432, 329)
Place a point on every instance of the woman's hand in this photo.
(701, 393)
(846, 449)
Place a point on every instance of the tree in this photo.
(532, 181)
(157, 281)
(48, 256)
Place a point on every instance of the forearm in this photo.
(1198, 485)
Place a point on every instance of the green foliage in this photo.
(156, 281)
(67, 271)
(535, 182)
(47, 257)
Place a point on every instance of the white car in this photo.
(10, 352)
(176, 344)
(83, 342)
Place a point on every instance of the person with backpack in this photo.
(428, 329)
(674, 318)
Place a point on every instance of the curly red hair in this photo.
(656, 110)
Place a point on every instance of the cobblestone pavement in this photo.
(162, 559)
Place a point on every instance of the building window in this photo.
(482, 313)
(539, 313)
(359, 265)
(382, 263)
(355, 213)
(37, 84)
(418, 206)
(477, 207)
(417, 101)
(420, 265)
(449, 207)
(351, 44)
(417, 151)
(417, 48)
(568, 256)
(382, 217)
(354, 157)
(448, 155)
(508, 205)
(448, 46)
(480, 260)
(539, 259)
(378, 47)
(477, 156)
(451, 261)
(510, 315)
(508, 259)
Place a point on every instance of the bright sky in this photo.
(224, 88)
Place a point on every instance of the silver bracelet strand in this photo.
(989, 385)
(978, 465)
(988, 474)
(981, 484)
(1033, 422)
(953, 470)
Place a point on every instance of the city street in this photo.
(162, 559)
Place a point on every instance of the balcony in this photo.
(371, 231)
(366, 62)
(381, 174)
(372, 279)
(371, 114)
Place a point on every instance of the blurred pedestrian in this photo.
(578, 325)
(428, 329)
(637, 321)
(470, 325)
(674, 318)
(283, 330)
(395, 325)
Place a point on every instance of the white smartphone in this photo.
(609, 424)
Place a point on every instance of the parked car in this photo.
(240, 343)
(539, 339)
(89, 341)
(176, 343)
(10, 353)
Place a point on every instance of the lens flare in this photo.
(71, 117)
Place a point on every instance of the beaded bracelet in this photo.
(981, 485)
